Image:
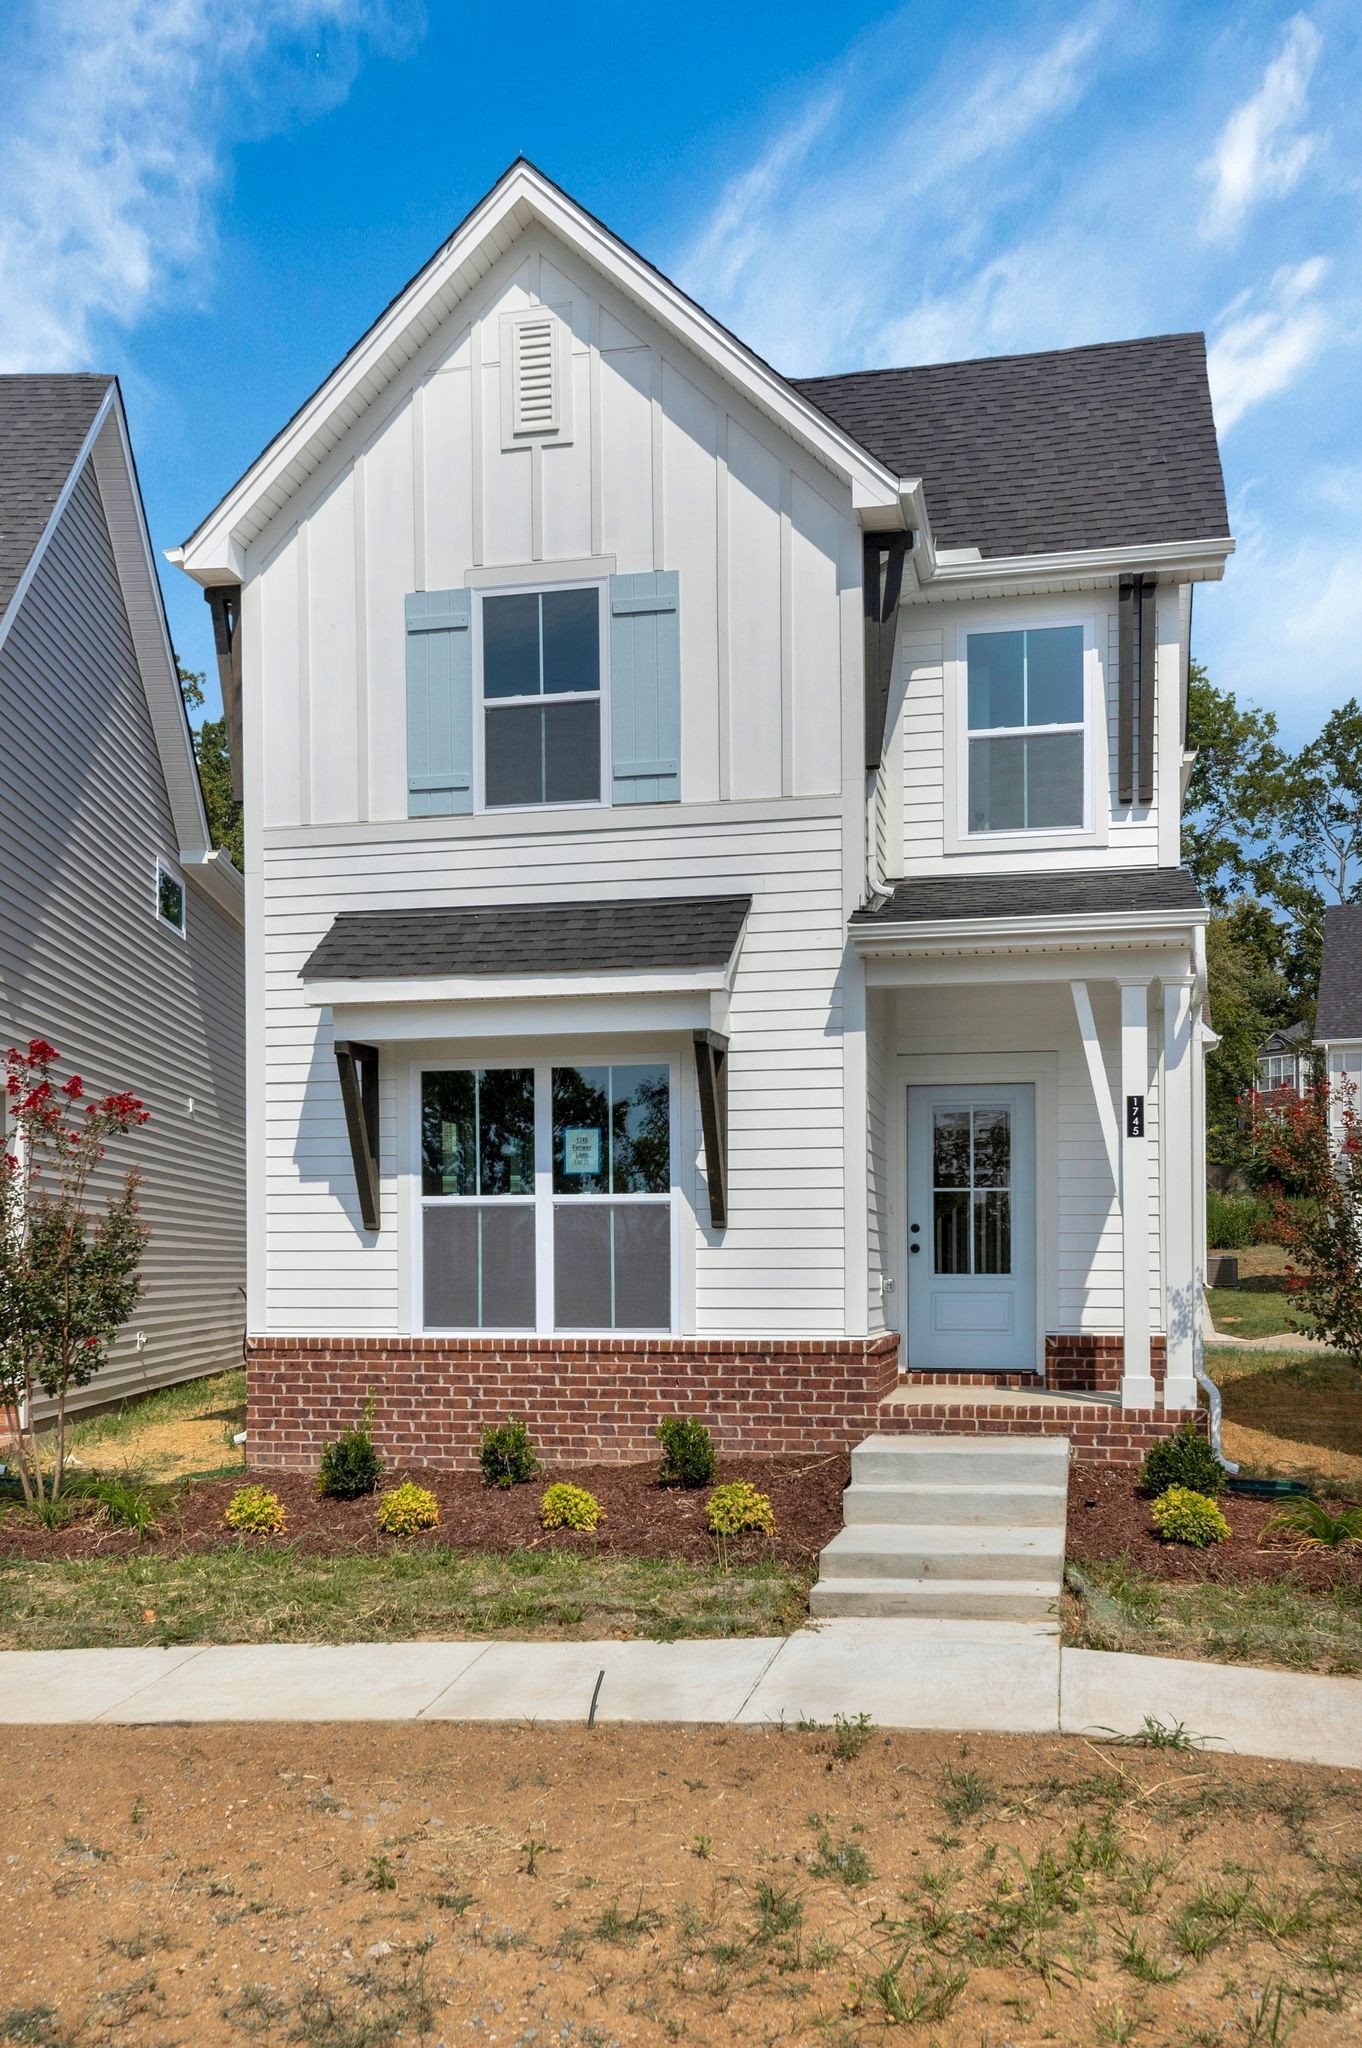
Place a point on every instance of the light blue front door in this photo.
(972, 1228)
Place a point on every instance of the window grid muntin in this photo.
(969, 1198)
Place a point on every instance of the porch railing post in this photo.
(1137, 1381)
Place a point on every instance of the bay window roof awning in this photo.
(532, 953)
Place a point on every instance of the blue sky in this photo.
(215, 197)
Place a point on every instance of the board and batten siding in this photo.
(668, 468)
(1083, 1274)
(85, 963)
(918, 752)
(779, 1265)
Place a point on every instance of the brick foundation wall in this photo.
(1100, 1435)
(1093, 1365)
(584, 1399)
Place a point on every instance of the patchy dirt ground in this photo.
(642, 1519)
(1109, 1517)
(382, 1885)
(1299, 1418)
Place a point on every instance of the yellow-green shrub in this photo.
(255, 1511)
(738, 1507)
(570, 1507)
(1186, 1517)
(406, 1508)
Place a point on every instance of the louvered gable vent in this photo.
(534, 376)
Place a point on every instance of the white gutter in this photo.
(951, 570)
(1111, 927)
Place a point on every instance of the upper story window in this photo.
(1026, 739)
(170, 903)
(1278, 1070)
(541, 697)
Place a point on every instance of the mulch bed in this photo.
(642, 1519)
(1109, 1518)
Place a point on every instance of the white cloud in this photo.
(1261, 349)
(805, 252)
(119, 118)
(1262, 149)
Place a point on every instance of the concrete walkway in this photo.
(999, 1676)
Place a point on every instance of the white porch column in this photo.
(1181, 1164)
(1137, 1382)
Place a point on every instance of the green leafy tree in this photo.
(1237, 786)
(1317, 855)
(68, 1273)
(215, 771)
(1252, 993)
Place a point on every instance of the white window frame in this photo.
(173, 874)
(1096, 806)
(531, 588)
(544, 1199)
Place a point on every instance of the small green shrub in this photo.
(1186, 1517)
(570, 1507)
(687, 1452)
(407, 1508)
(1311, 1523)
(351, 1466)
(1182, 1460)
(738, 1508)
(507, 1456)
(1234, 1222)
(255, 1511)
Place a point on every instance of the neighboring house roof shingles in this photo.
(530, 939)
(1339, 1014)
(1106, 446)
(43, 425)
(938, 898)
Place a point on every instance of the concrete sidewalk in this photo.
(998, 1676)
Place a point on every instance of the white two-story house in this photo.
(717, 941)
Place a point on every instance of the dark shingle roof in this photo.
(1097, 892)
(1108, 446)
(530, 938)
(43, 421)
(1339, 1014)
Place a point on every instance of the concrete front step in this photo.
(952, 1551)
(951, 1599)
(960, 1461)
(991, 1505)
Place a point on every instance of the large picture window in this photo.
(546, 1197)
(541, 697)
(1026, 737)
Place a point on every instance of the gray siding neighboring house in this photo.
(97, 785)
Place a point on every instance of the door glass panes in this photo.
(477, 1132)
(972, 1189)
(1025, 716)
(539, 646)
(611, 1130)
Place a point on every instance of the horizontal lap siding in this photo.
(878, 1152)
(779, 1264)
(85, 963)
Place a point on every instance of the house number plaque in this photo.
(1134, 1116)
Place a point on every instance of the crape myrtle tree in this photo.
(1311, 1146)
(68, 1258)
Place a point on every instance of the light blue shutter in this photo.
(645, 687)
(439, 703)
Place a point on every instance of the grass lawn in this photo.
(370, 1887)
(1256, 1308)
(1292, 1415)
(1111, 1606)
(171, 1434)
(273, 1594)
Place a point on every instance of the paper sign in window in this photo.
(581, 1150)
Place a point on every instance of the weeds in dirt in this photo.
(844, 1861)
(379, 1877)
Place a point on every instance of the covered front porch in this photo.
(1035, 1093)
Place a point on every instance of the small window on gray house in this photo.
(541, 694)
(170, 898)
